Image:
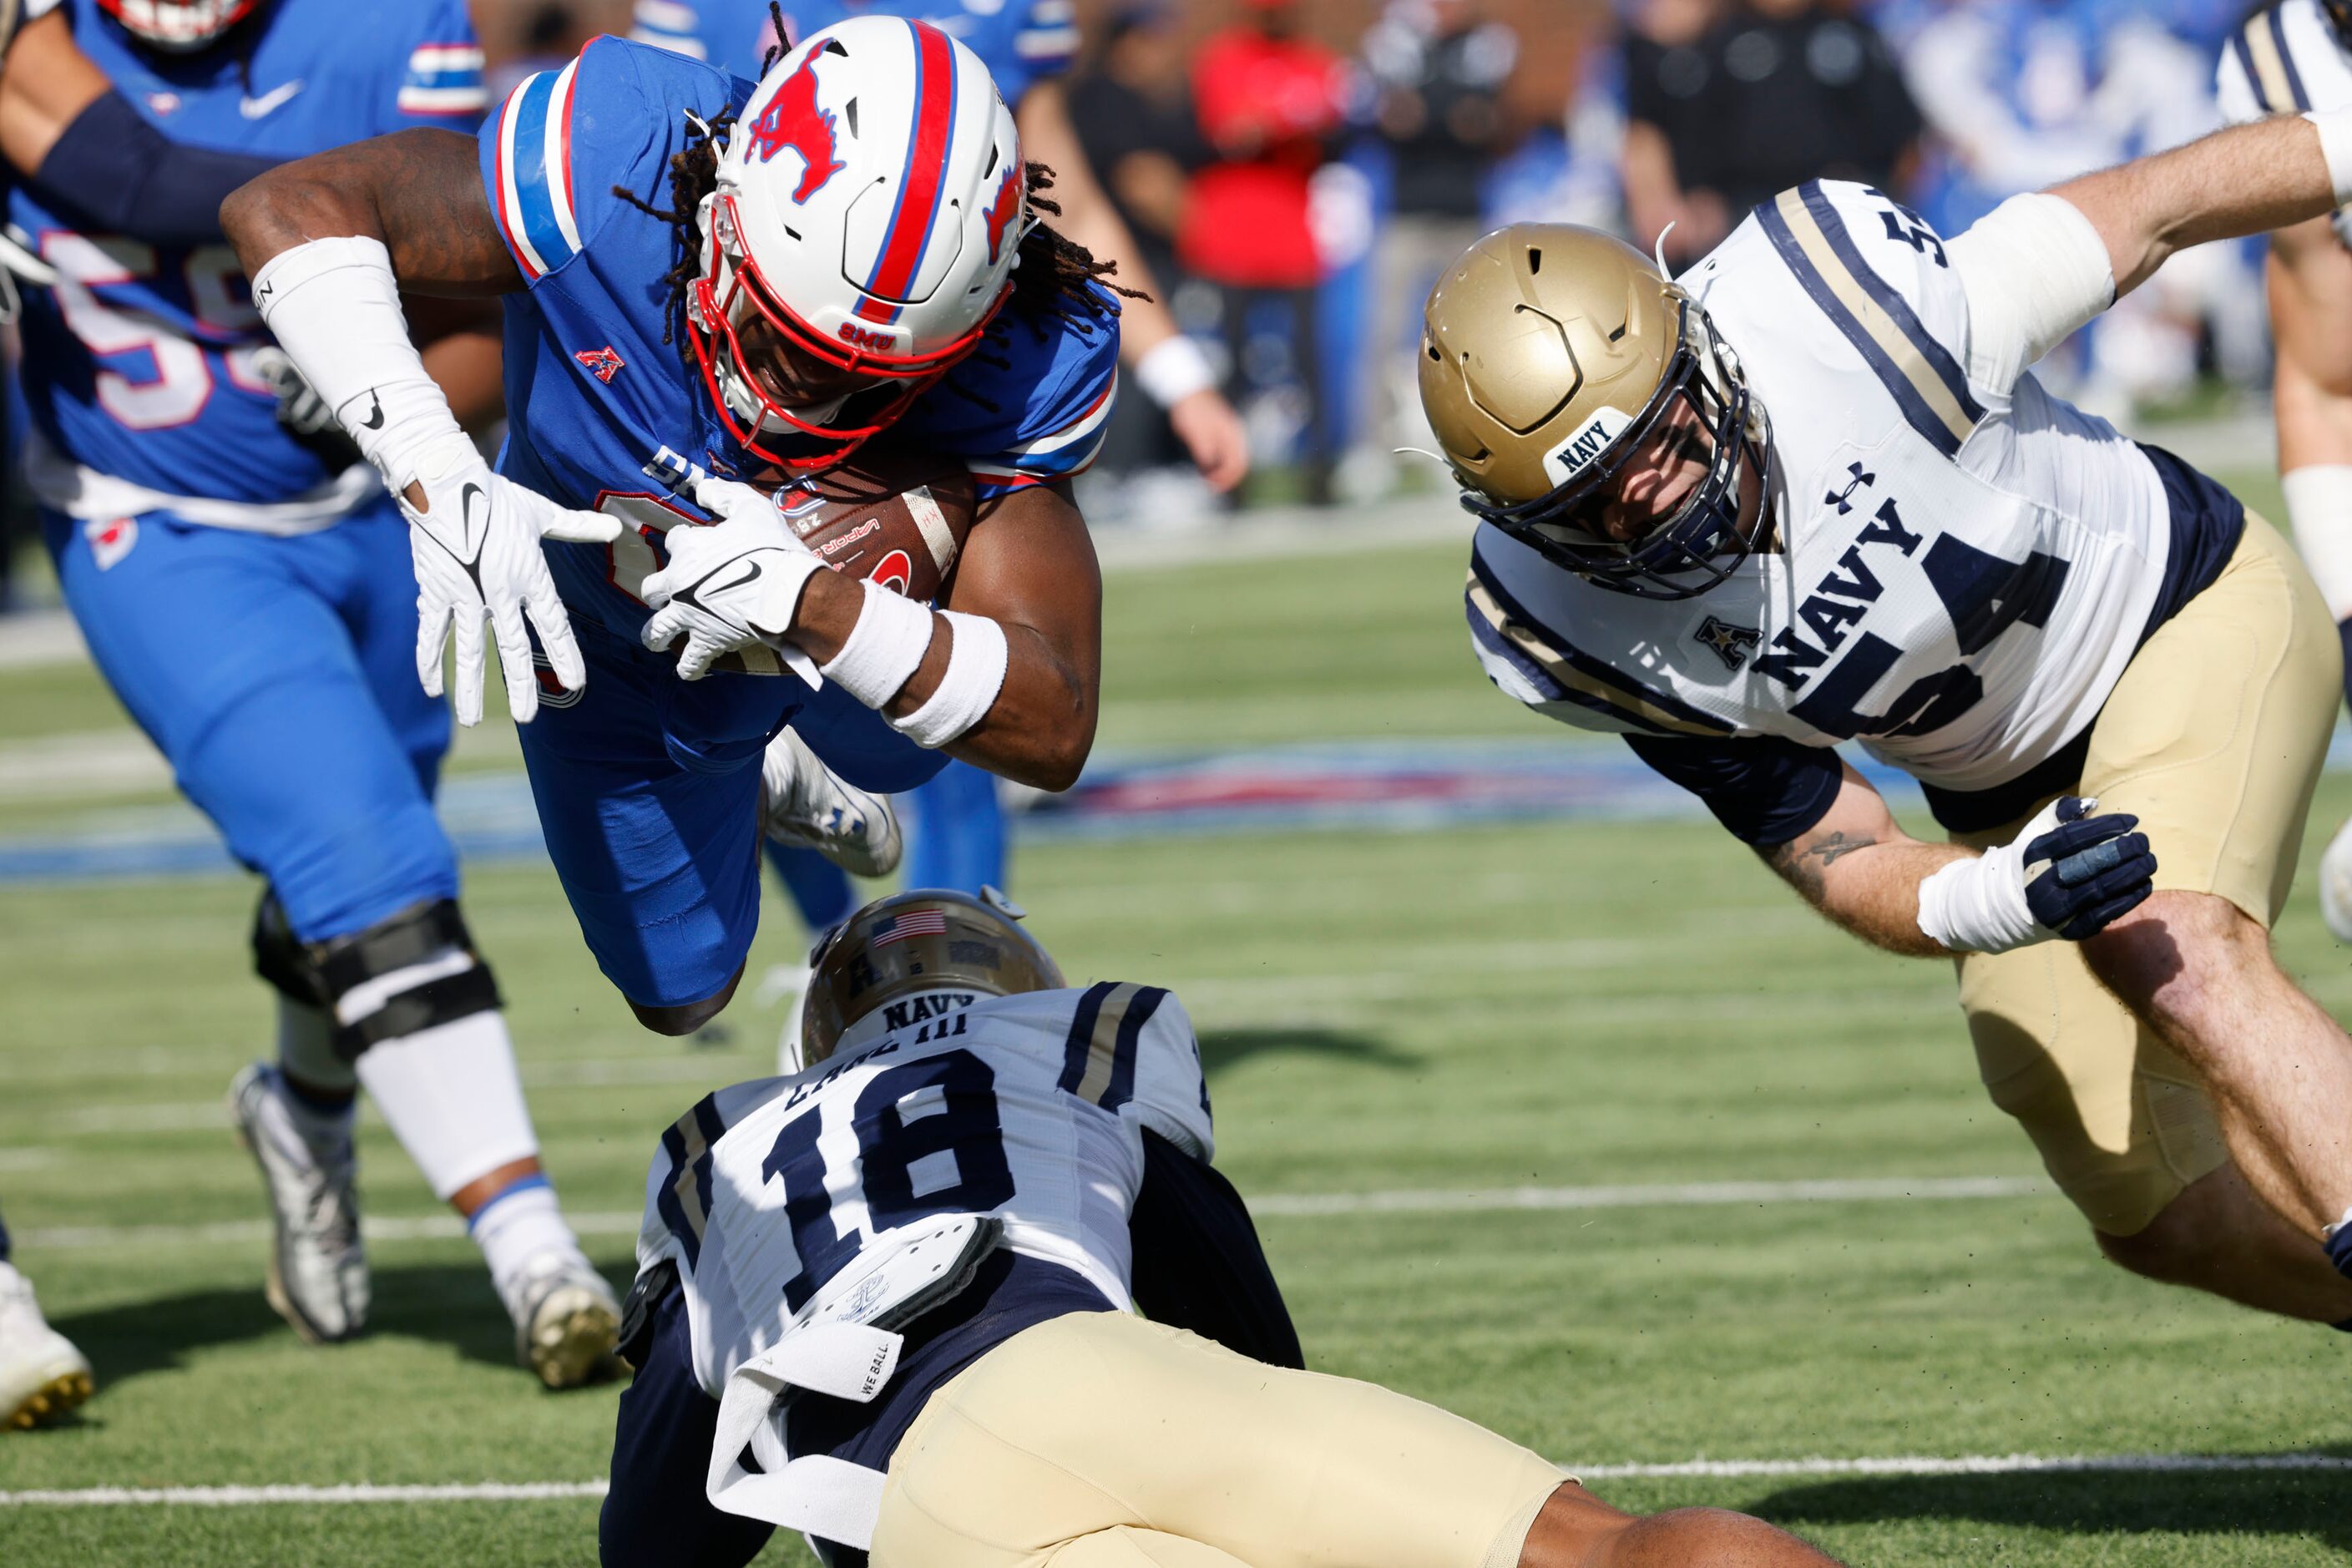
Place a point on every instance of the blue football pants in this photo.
(278, 677)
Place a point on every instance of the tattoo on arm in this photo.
(1801, 865)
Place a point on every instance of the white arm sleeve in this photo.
(2319, 505)
(2034, 271)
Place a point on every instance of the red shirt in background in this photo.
(1265, 104)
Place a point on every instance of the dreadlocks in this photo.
(1052, 279)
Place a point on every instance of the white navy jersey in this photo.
(2286, 58)
(1964, 570)
(1029, 1109)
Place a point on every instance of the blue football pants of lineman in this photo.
(278, 676)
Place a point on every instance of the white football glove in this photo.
(477, 557)
(735, 584)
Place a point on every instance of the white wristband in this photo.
(1173, 371)
(888, 641)
(2319, 505)
(976, 674)
(333, 305)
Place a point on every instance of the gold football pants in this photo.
(2213, 737)
(1099, 1440)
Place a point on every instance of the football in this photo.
(899, 517)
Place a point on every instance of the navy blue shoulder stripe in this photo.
(2264, 54)
(1919, 372)
(1580, 677)
(1106, 1035)
(684, 1200)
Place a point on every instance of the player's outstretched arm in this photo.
(2067, 874)
(2309, 273)
(418, 193)
(329, 243)
(2246, 179)
(2040, 266)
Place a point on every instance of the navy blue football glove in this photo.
(2068, 874)
(2099, 869)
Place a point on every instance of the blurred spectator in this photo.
(1437, 70)
(1727, 108)
(1130, 105)
(1268, 100)
(2022, 94)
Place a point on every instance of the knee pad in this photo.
(413, 972)
(281, 959)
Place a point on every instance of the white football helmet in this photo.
(870, 201)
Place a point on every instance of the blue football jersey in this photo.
(139, 363)
(607, 412)
(1022, 42)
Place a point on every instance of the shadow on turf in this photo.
(450, 1304)
(1222, 1048)
(2312, 1503)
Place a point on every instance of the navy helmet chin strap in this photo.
(1702, 544)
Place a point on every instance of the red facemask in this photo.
(729, 282)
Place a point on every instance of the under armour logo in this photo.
(1859, 480)
(1731, 643)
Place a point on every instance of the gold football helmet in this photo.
(929, 940)
(1550, 353)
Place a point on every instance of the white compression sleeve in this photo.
(2034, 271)
(2319, 505)
(333, 306)
(977, 658)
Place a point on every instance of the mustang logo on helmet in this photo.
(1004, 210)
(794, 123)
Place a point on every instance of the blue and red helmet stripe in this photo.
(923, 181)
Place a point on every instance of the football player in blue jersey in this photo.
(956, 834)
(243, 585)
(63, 127)
(710, 284)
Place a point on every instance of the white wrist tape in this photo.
(1173, 371)
(976, 674)
(2334, 127)
(333, 305)
(2319, 505)
(888, 641)
(1979, 905)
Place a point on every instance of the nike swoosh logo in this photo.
(374, 421)
(467, 497)
(276, 98)
(705, 588)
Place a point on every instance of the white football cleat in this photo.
(2335, 883)
(802, 801)
(567, 1320)
(42, 1375)
(318, 1266)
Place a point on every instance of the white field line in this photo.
(1316, 1205)
(1712, 1469)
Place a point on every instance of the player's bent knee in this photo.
(2173, 953)
(685, 1017)
(415, 970)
